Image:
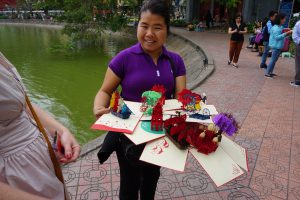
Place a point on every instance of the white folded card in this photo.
(235, 151)
(143, 133)
(164, 153)
(110, 122)
(218, 165)
(172, 104)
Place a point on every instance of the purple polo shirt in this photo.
(139, 73)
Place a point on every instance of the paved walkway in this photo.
(268, 111)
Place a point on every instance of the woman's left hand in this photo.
(71, 147)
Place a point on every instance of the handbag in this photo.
(259, 38)
(55, 163)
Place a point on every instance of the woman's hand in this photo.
(70, 145)
(289, 32)
(99, 111)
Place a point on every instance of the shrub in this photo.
(178, 23)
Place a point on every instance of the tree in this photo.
(227, 3)
(48, 5)
(86, 19)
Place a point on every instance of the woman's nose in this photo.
(149, 32)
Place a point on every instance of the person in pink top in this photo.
(25, 163)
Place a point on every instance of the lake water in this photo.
(62, 82)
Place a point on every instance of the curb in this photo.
(209, 65)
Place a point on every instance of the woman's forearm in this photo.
(102, 99)
(49, 123)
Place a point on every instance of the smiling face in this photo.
(152, 32)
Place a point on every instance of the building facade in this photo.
(7, 4)
(252, 10)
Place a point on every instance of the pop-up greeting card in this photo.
(120, 119)
(143, 133)
(173, 128)
(164, 153)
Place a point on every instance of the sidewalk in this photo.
(269, 115)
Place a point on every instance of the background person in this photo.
(137, 69)
(256, 32)
(237, 30)
(208, 19)
(266, 35)
(296, 38)
(276, 42)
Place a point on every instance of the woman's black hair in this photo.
(278, 18)
(272, 13)
(158, 7)
(237, 16)
(264, 22)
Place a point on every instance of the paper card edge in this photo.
(211, 177)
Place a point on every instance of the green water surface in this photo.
(62, 82)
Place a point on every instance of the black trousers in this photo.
(135, 178)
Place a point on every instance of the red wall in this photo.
(9, 3)
(218, 9)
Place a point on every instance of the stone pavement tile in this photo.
(116, 198)
(115, 169)
(254, 132)
(294, 191)
(90, 159)
(295, 155)
(209, 196)
(256, 119)
(94, 175)
(276, 149)
(268, 186)
(279, 126)
(271, 165)
(77, 163)
(240, 182)
(168, 187)
(294, 172)
(113, 158)
(296, 125)
(115, 188)
(169, 172)
(252, 158)
(192, 165)
(296, 136)
(252, 145)
(240, 193)
(179, 198)
(95, 192)
(72, 191)
(71, 175)
(192, 183)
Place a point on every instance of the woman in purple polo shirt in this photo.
(138, 69)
